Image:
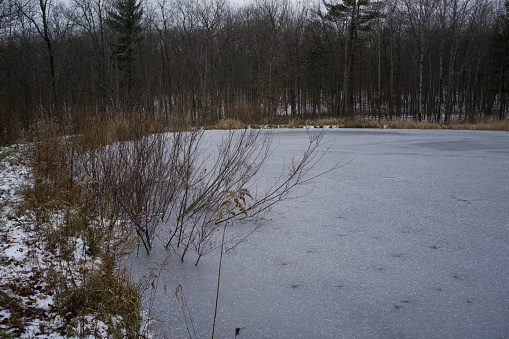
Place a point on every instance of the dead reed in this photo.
(301, 122)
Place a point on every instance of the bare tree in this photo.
(207, 59)
(419, 15)
(39, 13)
(90, 16)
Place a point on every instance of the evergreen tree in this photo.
(125, 20)
(355, 16)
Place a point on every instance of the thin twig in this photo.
(218, 280)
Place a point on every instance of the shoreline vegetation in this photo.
(361, 122)
(59, 277)
(60, 245)
(60, 250)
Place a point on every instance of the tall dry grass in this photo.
(483, 124)
(67, 204)
(225, 124)
(300, 122)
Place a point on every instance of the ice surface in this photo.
(408, 240)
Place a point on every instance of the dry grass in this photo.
(296, 122)
(405, 124)
(65, 209)
(483, 124)
(105, 294)
(239, 114)
(225, 124)
(94, 132)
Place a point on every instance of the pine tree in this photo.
(356, 16)
(125, 20)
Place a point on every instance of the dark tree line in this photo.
(431, 60)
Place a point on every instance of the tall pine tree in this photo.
(355, 16)
(125, 20)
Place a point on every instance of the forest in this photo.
(107, 164)
(205, 60)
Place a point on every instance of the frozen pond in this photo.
(409, 240)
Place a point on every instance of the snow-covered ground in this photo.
(27, 301)
(408, 240)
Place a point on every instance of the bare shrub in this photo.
(122, 181)
(75, 229)
(236, 167)
(170, 184)
(238, 159)
(133, 181)
(247, 112)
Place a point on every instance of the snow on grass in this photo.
(31, 273)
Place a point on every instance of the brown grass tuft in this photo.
(483, 124)
(229, 124)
